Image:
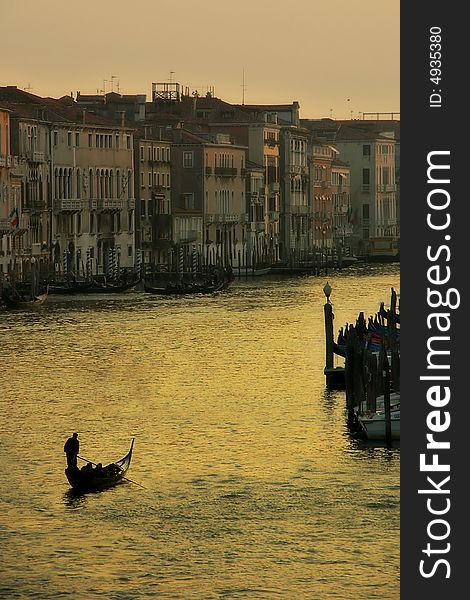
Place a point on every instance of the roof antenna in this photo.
(243, 87)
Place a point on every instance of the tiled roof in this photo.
(63, 110)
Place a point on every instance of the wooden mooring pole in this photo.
(386, 382)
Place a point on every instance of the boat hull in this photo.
(185, 290)
(374, 427)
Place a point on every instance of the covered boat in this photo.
(96, 479)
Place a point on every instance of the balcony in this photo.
(111, 204)
(224, 218)
(274, 215)
(269, 141)
(274, 187)
(68, 205)
(225, 172)
(386, 188)
(5, 226)
(208, 171)
(35, 156)
(366, 188)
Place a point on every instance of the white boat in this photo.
(373, 424)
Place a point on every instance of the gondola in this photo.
(82, 480)
(70, 288)
(109, 288)
(15, 299)
(175, 289)
(92, 287)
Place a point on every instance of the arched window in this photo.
(90, 184)
(118, 184)
(111, 185)
(56, 183)
(70, 183)
(61, 185)
(98, 184)
(79, 186)
(102, 184)
(129, 186)
(106, 181)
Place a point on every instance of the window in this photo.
(366, 150)
(365, 176)
(142, 208)
(189, 201)
(129, 250)
(117, 140)
(128, 142)
(56, 138)
(141, 153)
(188, 160)
(77, 139)
(365, 211)
(90, 140)
(69, 138)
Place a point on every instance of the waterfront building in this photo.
(208, 199)
(29, 239)
(321, 160)
(340, 188)
(370, 153)
(11, 220)
(255, 128)
(93, 203)
(296, 215)
(154, 227)
(76, 172)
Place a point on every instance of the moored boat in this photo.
(93, 479)
(373, 425)
(14, 299)
(176, 289)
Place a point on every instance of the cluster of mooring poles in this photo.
(371, 371)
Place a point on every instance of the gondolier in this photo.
(71, 449)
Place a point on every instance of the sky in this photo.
(337, 59)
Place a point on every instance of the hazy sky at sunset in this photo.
(319, 53)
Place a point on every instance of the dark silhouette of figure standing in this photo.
(71, 448)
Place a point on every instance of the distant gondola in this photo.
(15, 299)
(113, 473)
(109, 288)
(184, 289)
(92, 287)
(70, 288)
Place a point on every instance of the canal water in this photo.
(253, 487)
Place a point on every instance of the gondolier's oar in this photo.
(126, 478)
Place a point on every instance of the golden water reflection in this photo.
(254, 488)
